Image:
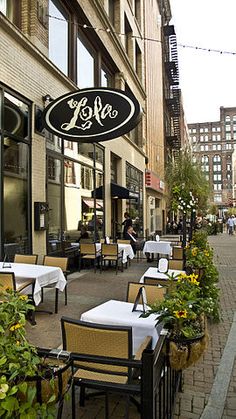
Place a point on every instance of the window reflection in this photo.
(58, 36)
(15, 116)
(85, 66)
(15, 184)
(54, 201)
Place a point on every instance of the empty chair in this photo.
(110, 253)
(88, 252)
(58, 262)
(96, 340)
(31, 259)
(7, 281)
(177, 253)
(153, 292)
(176, 264)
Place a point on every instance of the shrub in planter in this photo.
(28, 387)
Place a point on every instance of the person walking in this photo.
(230, 225)
(126, 223)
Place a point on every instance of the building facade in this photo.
(213, 145)
(53, 47)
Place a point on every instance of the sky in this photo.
(207, 79)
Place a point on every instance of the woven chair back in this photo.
(57, 262)
(176, 264)
(109, 249)
(177, 253)
(153, 292)
(31, 259)
(7, 281)
(88, 249)
(96, 339)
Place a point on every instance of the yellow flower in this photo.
(206, 253)
(193, 279)
(180, 314)
(23, 297)
(15, 327)
(194, 251)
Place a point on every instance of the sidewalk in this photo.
(209, 389)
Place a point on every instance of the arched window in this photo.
(216, 158)
(227, 119)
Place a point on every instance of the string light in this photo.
(143, 38)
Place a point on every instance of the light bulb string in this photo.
(144, 38)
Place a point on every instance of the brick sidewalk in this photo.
(86, 290)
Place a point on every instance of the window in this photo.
(10, 9)
(58, 36)
(228, 146)
(228, 167)
(213, 129)
(201, 138)
(201, 129)
(205, 159)
(228, 176)
(138, 61)
(227, 119)
(85, 65)
(114, 168)
(128, 39)
(217, 198)
(227, 128)
(218, 137)
(137, 10)
(206, 137)
(106, 78)
(216, 158)
(205, 129)
(213, 137)
(217, 177)
(218, 129)
(194, 159)
(234, 136)
(234, 118)
(194, 130)
(228, 136)
(217, 186)
(217, 168)
(194, 139)
(111, 11)
(206, 176)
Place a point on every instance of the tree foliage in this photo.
(188, 176)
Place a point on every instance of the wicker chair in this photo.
(96, 340)
(153, 292)
(59, 262)
(31, 259)
(88, 252)
(110, 253)
(177, 253)
(121, 241)
(7, 281)
(176, 264)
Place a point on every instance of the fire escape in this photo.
(172, 92)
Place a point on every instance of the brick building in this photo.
(213, 145)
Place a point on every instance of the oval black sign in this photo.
(92, 115)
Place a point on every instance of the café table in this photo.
(127, 250)
(154, 274)
(159, 247)
(40, 274)
(114, 312)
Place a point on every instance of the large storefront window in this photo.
(134, 182)
(85, 65)
(15, 214)
(71, 194)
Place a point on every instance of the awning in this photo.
(90, 203)
(117, 191)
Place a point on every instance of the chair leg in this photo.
(66, 295)
(82, 396)
(106, 406)
(73, 401)
(56, 301)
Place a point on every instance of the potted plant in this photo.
(182, 312)
(28, 383)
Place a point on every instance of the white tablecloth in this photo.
(127, 250)
(153, 273)
(157, 247)
(42, 275)
(120, 313)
